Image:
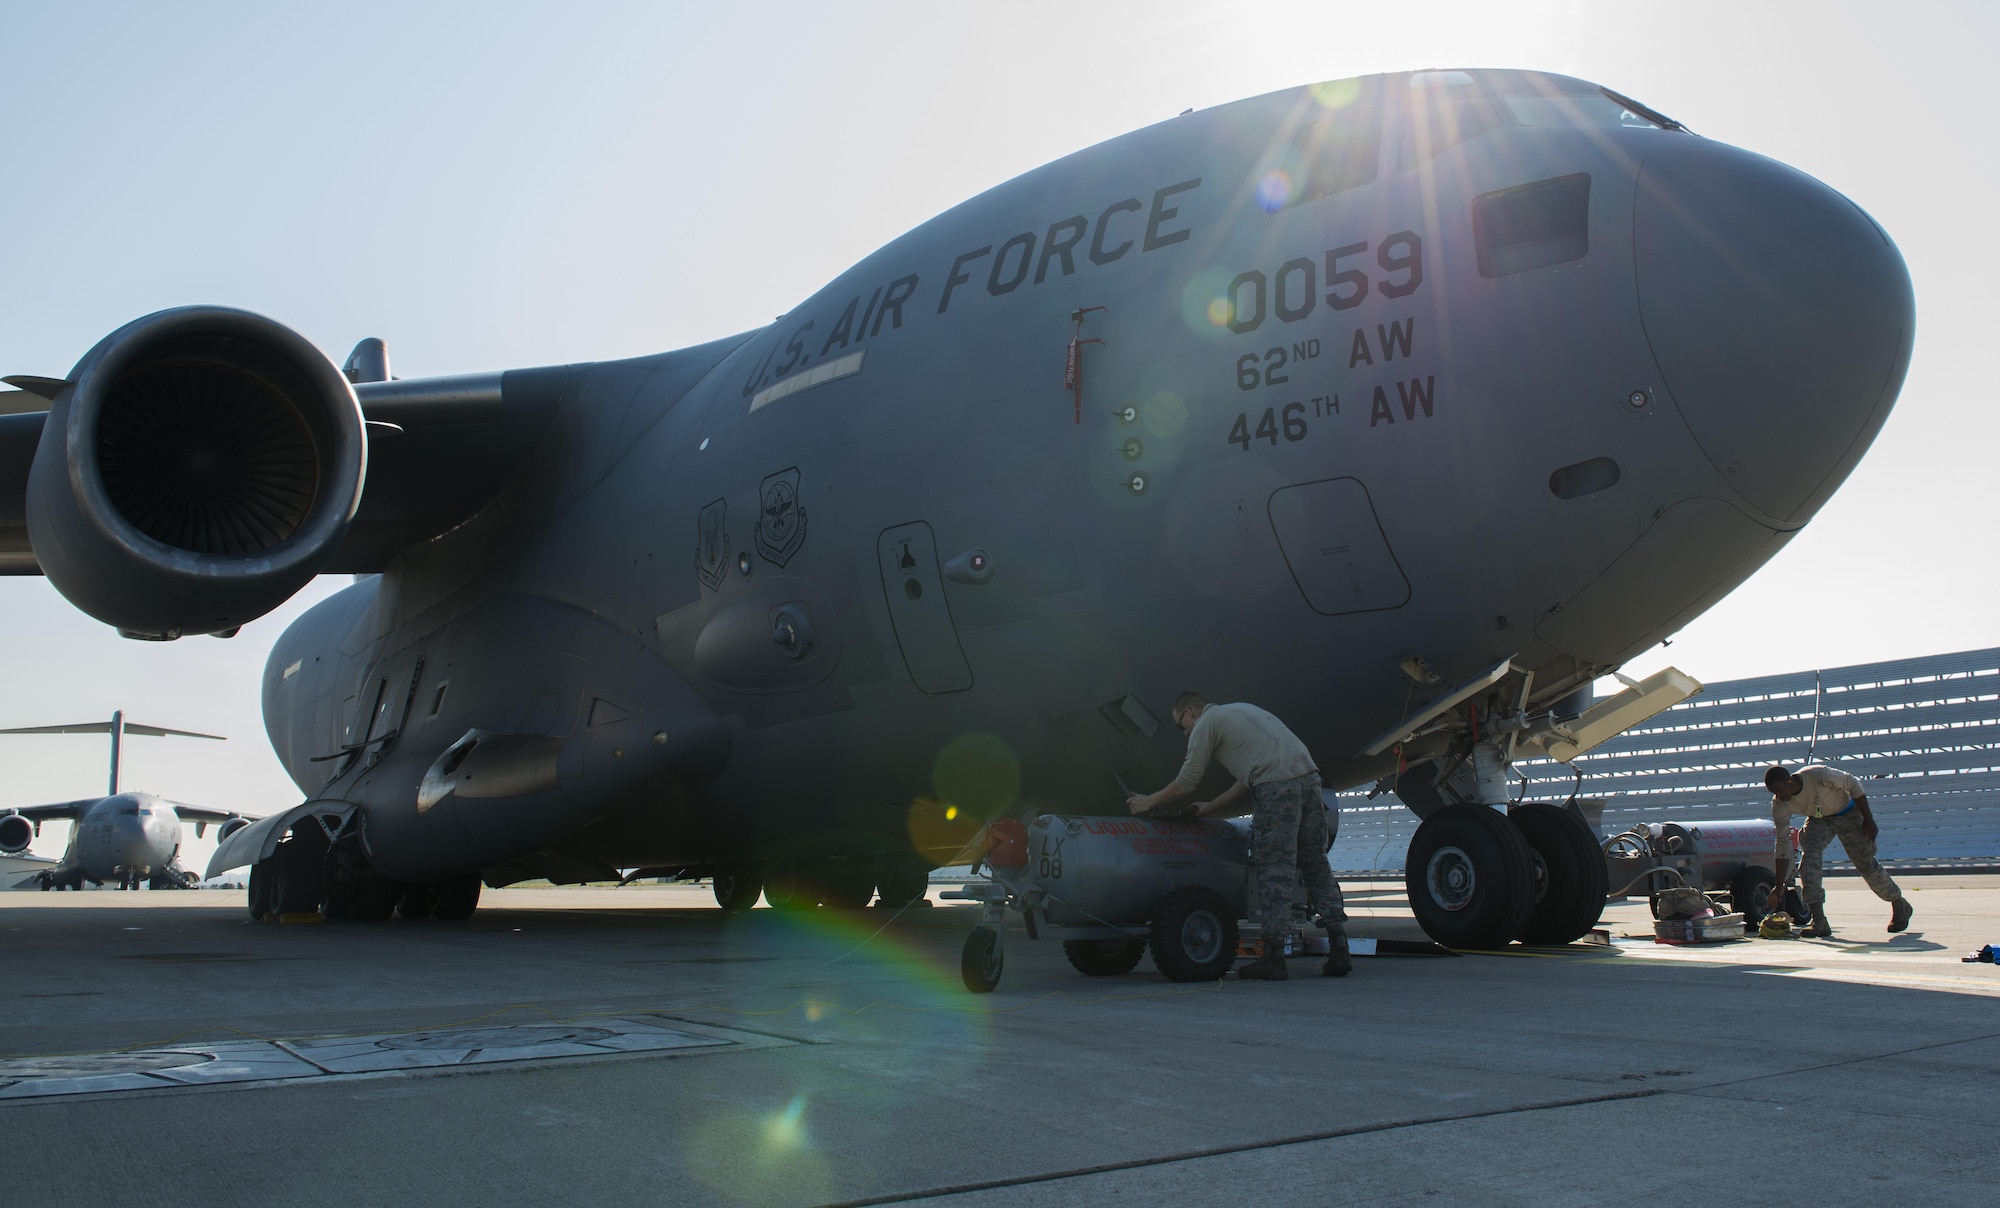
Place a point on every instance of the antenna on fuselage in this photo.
(118, 728)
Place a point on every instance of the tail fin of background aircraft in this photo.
(117, 727)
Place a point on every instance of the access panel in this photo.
(915, 591)
(1336, 548)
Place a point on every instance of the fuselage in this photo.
(1263, 401)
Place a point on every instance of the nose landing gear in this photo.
(1478, 878)
(1571, 877)
(1470, 877)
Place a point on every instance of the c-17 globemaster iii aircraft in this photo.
(1404, 406)
(133, 839)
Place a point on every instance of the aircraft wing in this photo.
(201, 813)
(104, 727)
(438, 450)
(61, 809)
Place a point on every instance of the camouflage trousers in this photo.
(1290, 830)
(1860, 852)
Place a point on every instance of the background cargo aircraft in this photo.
(132, 839)
(1404, 406)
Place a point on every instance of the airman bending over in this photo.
(1835, 808)
(1290, 827)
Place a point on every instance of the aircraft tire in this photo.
(300, 881)
(1570, 892)
(904, 879)
(844, 884)
(456, 900)
(1470, 877)
(417, 901)
(338, 904)
(1748, 892)
(738, 886)
(786, 889)
(259, 892)
(1104, 958)
(981, 961)
(1194, 935)
(373, 900)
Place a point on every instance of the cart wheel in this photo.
(1194, 935)
(1748, 893)
(982, 960)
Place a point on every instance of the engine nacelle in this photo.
(200, 467)
(230, 826)
(16, 832)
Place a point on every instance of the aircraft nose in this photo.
(1780, 317)
(132, 837)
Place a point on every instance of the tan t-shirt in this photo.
(1827, 791)
(1254, 745)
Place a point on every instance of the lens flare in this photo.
(1199, 299)
(1336, 94)
(978, 773)
(940, 830)
(1165, 414)
(786, 1130)
(758, 1158)
(1274, 192)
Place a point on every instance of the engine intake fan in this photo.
(201, 466)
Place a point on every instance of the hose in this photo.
(1675, 873)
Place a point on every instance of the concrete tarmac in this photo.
(835, 1058)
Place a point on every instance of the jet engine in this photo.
(229, 827)
(199, 466)
(16, 832)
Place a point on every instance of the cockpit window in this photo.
(1576, 109)
(1436, 120)
(1331, 155)
(130, 811)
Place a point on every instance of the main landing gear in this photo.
(1480, 878)
(831, 883)
(309, 878)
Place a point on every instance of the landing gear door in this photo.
(908, 558)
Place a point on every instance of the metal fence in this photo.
(1923, 735)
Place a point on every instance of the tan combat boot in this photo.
(1339, 963)
(1899, 914)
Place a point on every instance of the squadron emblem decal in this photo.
(712, 544)
(781, 518)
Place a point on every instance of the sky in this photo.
(494, 185)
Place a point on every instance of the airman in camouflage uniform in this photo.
(1835, 807)
(1291, 825)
